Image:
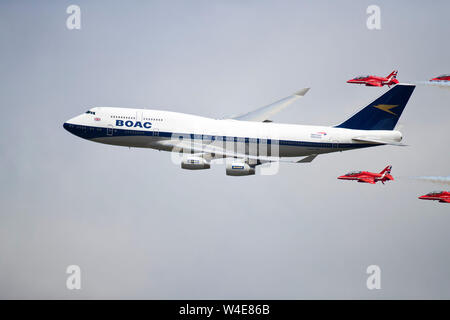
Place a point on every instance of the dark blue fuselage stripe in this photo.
(88, 132)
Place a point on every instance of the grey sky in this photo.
(141, 227)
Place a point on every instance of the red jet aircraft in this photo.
(375, 81)
(444, 77)
(369, 177)
(441, 196)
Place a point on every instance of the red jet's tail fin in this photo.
(387, 170)
(392, 75)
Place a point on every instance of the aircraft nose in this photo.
(74, 126)
(69, 127)
(66, 126)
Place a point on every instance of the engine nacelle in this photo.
(194, 163)
(239, 169)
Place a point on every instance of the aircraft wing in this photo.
(444, 200)
(212, 151)
(378, 141)
(266, 112)
(366, 180)
(307, 159)
(374, 83)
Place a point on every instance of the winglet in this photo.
(301, 92)
(266, 112)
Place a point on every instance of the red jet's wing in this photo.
(366, 180)
(445, 200)
(373, 83)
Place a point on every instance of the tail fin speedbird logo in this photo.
(387, 107)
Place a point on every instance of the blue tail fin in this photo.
(383, 113)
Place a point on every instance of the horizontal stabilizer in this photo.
(379, 141)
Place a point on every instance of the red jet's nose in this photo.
(341, 177)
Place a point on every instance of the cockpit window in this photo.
(353, 173)
(444, 76)
(90, 112)
(361, 77)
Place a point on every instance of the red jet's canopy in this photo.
(352, 173)
(433, 193)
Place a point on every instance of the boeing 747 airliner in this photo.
(247, 140)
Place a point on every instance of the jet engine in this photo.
(239, 169)
(195, 163)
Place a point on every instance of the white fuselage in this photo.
(144, 128)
